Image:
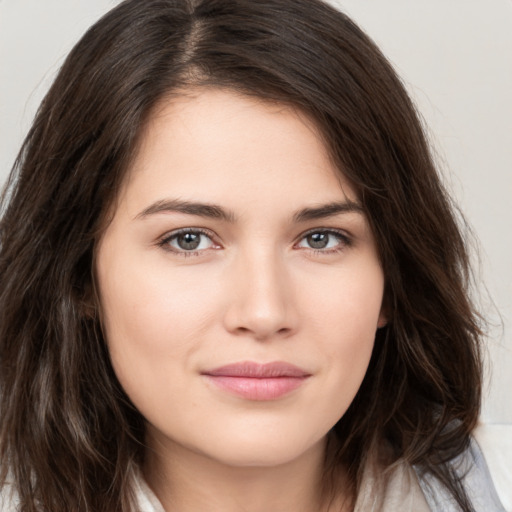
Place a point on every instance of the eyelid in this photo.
(164, 240)
(345, 239)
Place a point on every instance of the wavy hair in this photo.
(69, 436)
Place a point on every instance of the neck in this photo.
(186, 481)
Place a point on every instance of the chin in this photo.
(267, 451)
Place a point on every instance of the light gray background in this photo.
(455, 57)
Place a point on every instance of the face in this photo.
(239, 281)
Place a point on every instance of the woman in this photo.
(231, 278)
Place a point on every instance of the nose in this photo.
(262, 302)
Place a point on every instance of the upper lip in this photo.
(254, 370)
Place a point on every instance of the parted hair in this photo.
(70, 440)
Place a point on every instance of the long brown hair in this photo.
(69, 436)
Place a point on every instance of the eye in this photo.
(187, 241)
(324, 240)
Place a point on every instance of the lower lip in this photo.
(252, 388)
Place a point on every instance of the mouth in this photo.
(254, 381)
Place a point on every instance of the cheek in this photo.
(343, 319)
(148, 304)
(347, 305)
(153, 322)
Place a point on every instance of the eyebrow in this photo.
(190, 208)
(327, 210)
(214, 211)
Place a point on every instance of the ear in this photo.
(86, 300)
(382, 321)
(385, 310)
(383, 316)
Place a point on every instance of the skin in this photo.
(253, 290)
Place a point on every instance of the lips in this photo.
(254, 381)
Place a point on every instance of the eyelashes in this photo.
(188, 242)
(324, 240)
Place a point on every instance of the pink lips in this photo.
(254, 381)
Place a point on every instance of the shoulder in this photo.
(390, 489)
(146, 499)
(8, 499)
(473, 473)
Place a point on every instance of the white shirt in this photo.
(405, 490)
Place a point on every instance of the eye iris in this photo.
(189, 241)
(318, 240)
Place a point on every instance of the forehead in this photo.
(220, 146)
